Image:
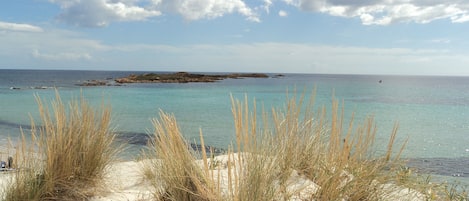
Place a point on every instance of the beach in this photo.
(124, 181)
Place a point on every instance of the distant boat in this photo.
(380, 81)
(15, 88)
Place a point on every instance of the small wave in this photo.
(14, 125)
(33, 87)
(455, 167)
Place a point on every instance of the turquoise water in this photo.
(433, 112)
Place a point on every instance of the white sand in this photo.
(124, 182)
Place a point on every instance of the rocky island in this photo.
(184, 77)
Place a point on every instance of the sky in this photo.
(414, 37)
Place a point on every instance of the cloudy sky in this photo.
(428, 37)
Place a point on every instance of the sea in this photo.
(432, 111)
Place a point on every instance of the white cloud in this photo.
(98, 13)
(19, 27)
(267, 5)
(460, 18)
(384, 12)
(282, 13)
(50, 48)
(64, 49)
(210, 9)
(292, 58)
(440, 41)
(61, 56)
(57, 48)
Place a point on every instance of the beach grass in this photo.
(66, 155)
(295, 140)
(176, 176)
(301, 139)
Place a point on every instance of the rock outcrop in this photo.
(184, 77)
(93, 83)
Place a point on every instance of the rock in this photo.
(91, 83)
(300, 187)
(278, 75)
(184, 77)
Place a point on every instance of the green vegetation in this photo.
(67, 154)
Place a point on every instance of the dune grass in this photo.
(66, 155)
(297, 139)
(181, 178)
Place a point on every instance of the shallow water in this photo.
(433, 112)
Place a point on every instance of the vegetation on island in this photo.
(66, 155)
(184, 77)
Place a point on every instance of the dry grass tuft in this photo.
(176, 171)
(299, 139)
(67, 155)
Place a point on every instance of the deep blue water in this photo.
(433, 112)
